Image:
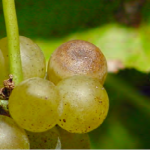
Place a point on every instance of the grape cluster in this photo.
(70, 96)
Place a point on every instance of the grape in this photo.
(4, 69)
(77, 57)
(33, 104)
(44, 140)
(11, 135)
(84, 104)
(74, 140)
(33, 61)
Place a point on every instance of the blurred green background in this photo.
(121, 28)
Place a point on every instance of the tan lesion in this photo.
(7, 89)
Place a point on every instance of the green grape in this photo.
(33, 60)
(74, 140)
(84, 104)
(4, 69)
(77, 57)
(44, 140)
(11, 135)
(33, 104)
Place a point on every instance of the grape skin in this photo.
(4, 69)
(77, 57)
(44, 140)
(84, 104)
(11, 135)
(33, 104)
(32, 58)
(74, 140)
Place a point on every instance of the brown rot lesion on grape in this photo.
(7, 89)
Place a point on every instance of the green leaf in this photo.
(130, 46)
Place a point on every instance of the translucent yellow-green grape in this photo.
(33, 104)
(45, 140)
(4, 67)
(74, 140)
(32, 58)
(84, 104)
(11, 135)
(77, 57)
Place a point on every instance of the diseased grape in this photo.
(44, 140)
(11, 135)
(74, 140)
(33, 104)
(32, 58)
(77, 57)
(84, 104)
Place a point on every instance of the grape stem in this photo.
(13, 40)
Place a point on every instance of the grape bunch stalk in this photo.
(53, 107)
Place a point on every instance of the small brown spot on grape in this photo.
(45, 141)
(64, 120)
(59, 119)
